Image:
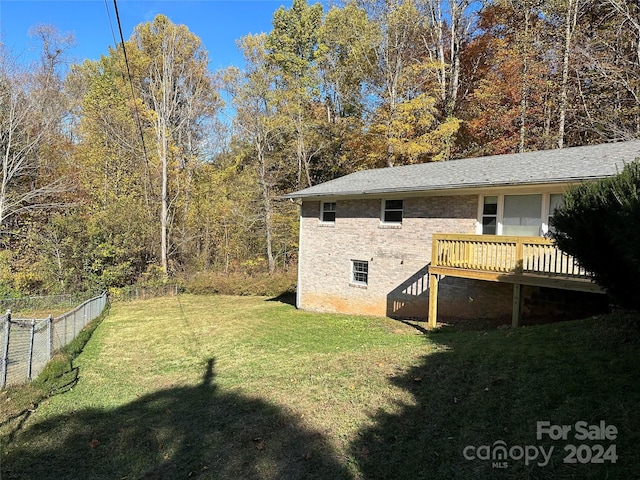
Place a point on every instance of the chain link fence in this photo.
(142, 292)
(29, 344)
(44, 302)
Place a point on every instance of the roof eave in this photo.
(437, 188)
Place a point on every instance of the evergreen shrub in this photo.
(599, 225)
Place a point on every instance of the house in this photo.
(367, 239)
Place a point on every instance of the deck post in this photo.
(515, 315)
(433, 300)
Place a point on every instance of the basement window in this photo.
(360, 272)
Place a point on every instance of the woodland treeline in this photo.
(145, 164)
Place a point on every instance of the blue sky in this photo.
(218, 23)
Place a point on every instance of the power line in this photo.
(133, 96)
(113, 34)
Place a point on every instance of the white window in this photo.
(360, 272)
(518, 215)
(522, 215)
(392, 211)
(555, 201)
(328, 212)
(490, 215)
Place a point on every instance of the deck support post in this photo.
(433, 300)
(517, 302)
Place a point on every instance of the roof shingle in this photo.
(530, 168)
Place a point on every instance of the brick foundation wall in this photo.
(490, 303)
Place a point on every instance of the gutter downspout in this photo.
(299, 283)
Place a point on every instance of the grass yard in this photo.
(216, 387)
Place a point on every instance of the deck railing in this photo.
(504, 255)
(518, 260)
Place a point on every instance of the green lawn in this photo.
(243, 387)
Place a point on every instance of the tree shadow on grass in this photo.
(480, 388)
(182, 432)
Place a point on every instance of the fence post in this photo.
(5, 351)
(49, 336)
(32, 335)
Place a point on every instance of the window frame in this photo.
(323, 211)
(549, 230)
(384, 210)
(545, 214)
(355, 271)
(517, 211)
(483, 214)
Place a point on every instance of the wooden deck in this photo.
(517, 260)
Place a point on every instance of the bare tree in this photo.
(26, 121)
(571, 18)
(179, 91)
(257, 118)
(630, 13)
(445, 47)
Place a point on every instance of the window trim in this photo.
(482, 215)
(545, 214)
(354, 271)
(323, 211)
(549, 213)
(384, 210)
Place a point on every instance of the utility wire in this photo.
(113, 34)
(133, 96)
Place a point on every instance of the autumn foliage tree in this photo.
(177, 89)
(161, 180)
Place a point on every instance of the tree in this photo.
(525, 34)
(143, 133)
(176, 86)
(448, 32)
(600, 226)
(345, 58)
(292, 48)
(115, 207)
(572, 7)
(259, 123)
(28, 119)
(607, 83)
(405, 119)
(510, 108)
